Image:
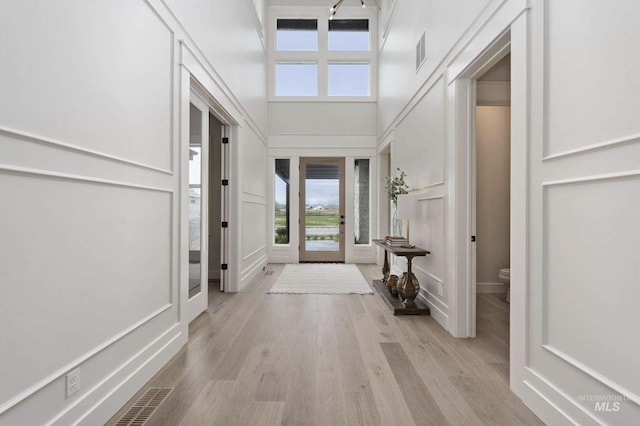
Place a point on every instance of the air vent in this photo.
(421, 50)
(268, 272)
(144, 407)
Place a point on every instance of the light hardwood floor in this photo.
(276, 359)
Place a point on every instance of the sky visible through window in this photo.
(322, 192)
(297, 79)
(281, 191)
(349, 41)
(348, 79)
(301, 79)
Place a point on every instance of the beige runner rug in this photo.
(321, 278)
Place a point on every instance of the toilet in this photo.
(505, 277)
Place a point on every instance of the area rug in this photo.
(321, 278)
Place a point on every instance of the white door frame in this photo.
(200, 97)
(462, 102)
(199, 302)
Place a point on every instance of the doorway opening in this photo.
(322, 209)
(490, 205)
(208, 205)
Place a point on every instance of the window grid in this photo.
(323, 57)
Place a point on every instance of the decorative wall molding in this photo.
(260, 199)
(256, 251)
(208, 67)
(609, 144)
(593, 373)
(146, 357)
(542, 397)
(251, 270)
(81, 359)
(594, 178)
(440, 70)
(25, 171)
(258, 23)
(434, 197)
(544, 288)
(28, 137)
(251, 125)
(436, 313)
(427, 273)
(558, 393)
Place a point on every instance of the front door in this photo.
(322, 210)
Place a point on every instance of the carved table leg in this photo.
(385, 268)
(408, 286)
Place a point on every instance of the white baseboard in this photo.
(436, 313)
(251, 272)
(498, 288)
(106, 398)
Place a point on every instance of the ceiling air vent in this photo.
(421, 50)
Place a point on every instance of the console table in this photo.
(398, 306)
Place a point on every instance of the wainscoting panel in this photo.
(591, 274)
(610, 108)
(117, 89)
(420, 156)
(111, 279)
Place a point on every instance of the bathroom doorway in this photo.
(490, 204)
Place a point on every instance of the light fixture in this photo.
(336, 6)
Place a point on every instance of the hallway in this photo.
(265, 359)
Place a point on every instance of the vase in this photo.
(392, 285)
(408, 288)
(396, 224)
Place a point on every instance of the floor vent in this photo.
(268, 272)
(143, 408)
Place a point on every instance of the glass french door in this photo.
(198, 196)
(322, 210)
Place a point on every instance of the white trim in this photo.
(593, 374)
(144, 365)
(29, 137)
(630, 139)
(78, 361)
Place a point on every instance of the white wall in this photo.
(575, 164)
(90, 183)
(493, 167)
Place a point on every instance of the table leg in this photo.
(385, 268)
(409, 290)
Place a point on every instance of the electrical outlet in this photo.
(73, 382)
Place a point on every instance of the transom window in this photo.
(317, 58)
(349, 35)
(297, 35)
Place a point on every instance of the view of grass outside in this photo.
(316, 221)
(281, 236)
(281, 227)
